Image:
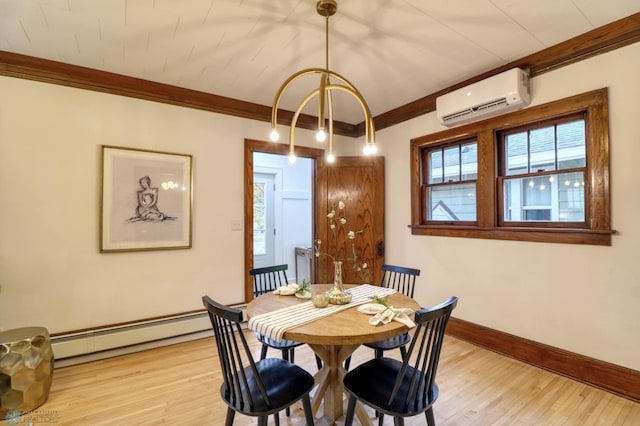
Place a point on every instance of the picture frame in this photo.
(146, 200)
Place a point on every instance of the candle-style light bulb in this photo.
(369, 149)
(274, 135)
(321, 136)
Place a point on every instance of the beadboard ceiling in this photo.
(393, 51)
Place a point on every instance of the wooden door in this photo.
(359, 183)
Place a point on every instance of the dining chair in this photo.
(403, 280)
(253, 388)
(403, 388)
(266, 280)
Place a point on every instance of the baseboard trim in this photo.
(610, 377)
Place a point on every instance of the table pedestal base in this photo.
(329, 380)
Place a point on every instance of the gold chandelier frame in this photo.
(324, 8)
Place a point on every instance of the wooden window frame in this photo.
(597, 228)
(502, 176)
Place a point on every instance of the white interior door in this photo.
(263, 219)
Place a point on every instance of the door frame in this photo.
(251, 146)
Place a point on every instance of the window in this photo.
(259, 218)
(542, 174)
(538, 174)
(451, 187)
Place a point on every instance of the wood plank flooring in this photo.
(179, 385)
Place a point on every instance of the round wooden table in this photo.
(333, 339)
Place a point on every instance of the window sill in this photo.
(565, 236)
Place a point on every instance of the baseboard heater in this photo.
(75, 344)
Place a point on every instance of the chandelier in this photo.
(324, 8)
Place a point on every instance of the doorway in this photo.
(358, 181)
(282, 212)
(252, 147)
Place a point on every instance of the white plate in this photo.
(371, 308)
(287, 290)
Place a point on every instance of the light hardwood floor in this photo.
(179, 385)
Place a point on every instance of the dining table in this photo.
(333, 333)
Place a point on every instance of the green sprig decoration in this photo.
(380, 300)
(304, 287)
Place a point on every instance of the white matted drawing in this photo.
(146, 200)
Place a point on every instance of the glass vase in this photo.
(338, 295)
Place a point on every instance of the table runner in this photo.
(274, 324)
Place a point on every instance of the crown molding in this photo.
(603, 39)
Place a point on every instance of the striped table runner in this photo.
(274, 324)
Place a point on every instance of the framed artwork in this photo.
(146, 200)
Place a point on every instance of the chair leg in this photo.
(431, 421)
(347, 362)
(398, 421)
(403, 352)
(263, 352)
(351, 408)
(292, 355)
(318, 362)
(276, 418)
(285, 356)
(263, 420)
(306, 406)
(230, 415)
(379, 353)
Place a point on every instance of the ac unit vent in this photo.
(493, 104)
(495, 95)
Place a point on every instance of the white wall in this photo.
(581, 298)
(584, 299)
(51, 272)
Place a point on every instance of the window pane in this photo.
(571, 196)
(542, 149)
(452, 202)
(571, 145)
(469, 156)
(550, 198)
(537, 192)
(435, 166)
(452, 164)
(259, 241)
(259, 218)
(517, 155)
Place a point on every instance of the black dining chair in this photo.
(402, 280)
(253, 388)
(403, 388)
(266, 280)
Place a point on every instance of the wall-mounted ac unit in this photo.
(495, 95)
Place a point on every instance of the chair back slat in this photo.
(418, 371)
(399, 278)
(267, 279)
(236, 361)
